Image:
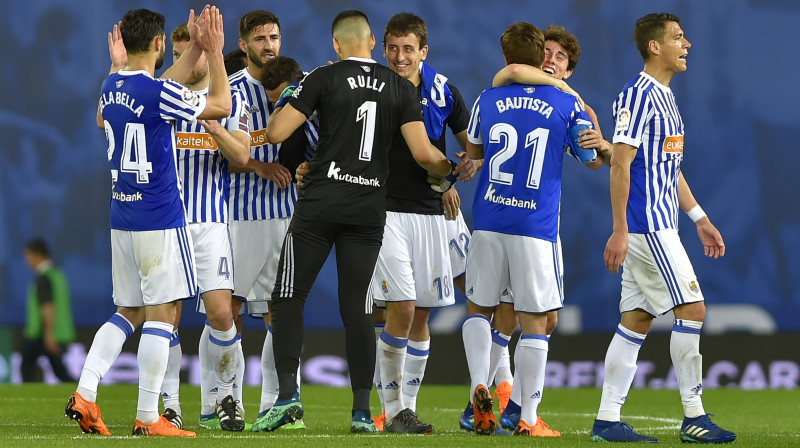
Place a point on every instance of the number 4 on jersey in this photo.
(134, 151)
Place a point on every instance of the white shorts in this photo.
(152, 267)
(212, 251)
(256, 253)
(458, 241)
(414, 262)
(530, 267)
(657, 275)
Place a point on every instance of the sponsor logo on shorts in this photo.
(694, 287)
(384, 287)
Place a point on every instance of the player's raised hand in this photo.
(194, 23)
(616, 251)
(300, 173)
(452, 204)
(713, 244)
(116, 49)
(212, 36)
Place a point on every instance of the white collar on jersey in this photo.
(353, 58)
(656, 82)
(250, 77)
(134, 72)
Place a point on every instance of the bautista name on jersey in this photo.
(524, 131)
(138, 113)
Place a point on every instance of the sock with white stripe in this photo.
(414, 371)
(208, 383)
(152, 360)
(376, 377)
(684, 348)
(392, 356)
(530, 360)
(170, 388)
(269, 376)
(499, 359)
(620, 368)
(477, 335)
(105, 349)
(223, 354)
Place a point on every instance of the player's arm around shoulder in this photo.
(710, 237)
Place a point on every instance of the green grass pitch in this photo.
(32, 415)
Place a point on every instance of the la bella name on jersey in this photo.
(121, 98)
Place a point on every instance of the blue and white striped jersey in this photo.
(646, 117)
(203, 168)
(139, 114)
(252, 197)
(524, 131)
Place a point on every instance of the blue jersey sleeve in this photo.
(179, 103)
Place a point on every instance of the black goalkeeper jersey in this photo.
(408, 187)
(361, 106)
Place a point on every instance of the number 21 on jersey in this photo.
(507, 135)
(134, 152)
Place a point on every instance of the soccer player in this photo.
(561, 54)
(413, 269)
(361, 105)
(281, 76)
(152, 255)
(522, 131)
(647, 190)
(204, 150)
(262, 195)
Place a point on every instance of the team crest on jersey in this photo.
(693, 286)
(384, 287)
(366, 68)
(623, 120)
(190, 97)
(529, 89)
(120, 83)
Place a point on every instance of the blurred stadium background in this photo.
(738, 100)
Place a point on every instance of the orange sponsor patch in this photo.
(673, 144)
(196, 141)
(258, 138)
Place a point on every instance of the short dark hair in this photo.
(139, 27)
(523, 43)
(567, 40)
(406, 23)
(38, 246)
(347, 14)
(651, 27)
(235, 61)
(281, 69)
(255, 19)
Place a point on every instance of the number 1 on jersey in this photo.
(367, 112)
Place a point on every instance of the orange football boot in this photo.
(503, 392)
(485, 423)
(379, 421)
(87, 414)
(540, 429)
(161, 427)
